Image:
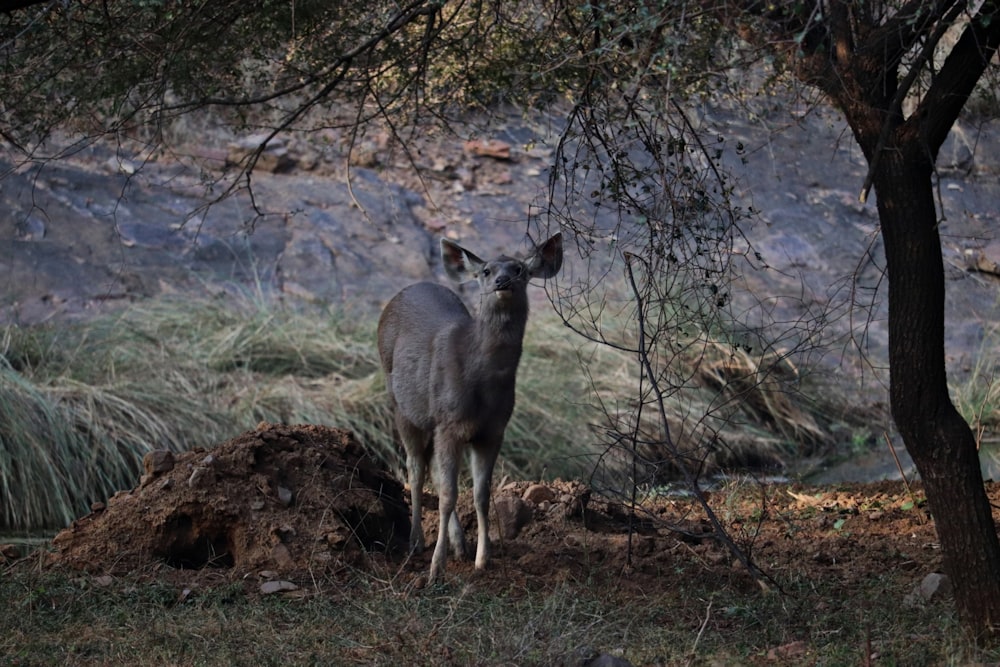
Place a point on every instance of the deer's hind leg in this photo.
(417, 443)
(446, 462)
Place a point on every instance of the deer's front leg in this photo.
(482, 459)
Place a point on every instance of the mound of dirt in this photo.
(280, 498)
(295, 500)
(300, 503)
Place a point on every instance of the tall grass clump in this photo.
(579, 411)
(977, 397)
(82, 403)
(39, 451)
(81, 406)
(554, 430)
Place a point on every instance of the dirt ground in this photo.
(288, 504)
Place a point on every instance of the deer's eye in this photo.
(486, 273)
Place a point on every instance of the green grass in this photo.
(81, 403)
(52, 618)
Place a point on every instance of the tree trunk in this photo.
(870, 59)
(939, 440)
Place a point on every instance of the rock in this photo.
(279, 586)
(512, 515)
(200, 478)
(606, 660)
(934, 585)
(97, 507)
(274, 159)
(281, 557)
(104, 580)
(158, 461)
(958, 153)
(9, 551)
(494, 148)
(118, 165)
(253, 141)
(337, 539)
(985, 259)
(307, 159)
(467, 179)
(284, 496)
(30, 228)
(646, 545)
(574, 504)
(538, 494)
(791, 651)
(213, 158)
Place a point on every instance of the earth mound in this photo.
(293, 501)
(290, 504)
(280, 498)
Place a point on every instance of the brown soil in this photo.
(299, 502)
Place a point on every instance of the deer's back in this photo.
(417, 334)
(414, 317)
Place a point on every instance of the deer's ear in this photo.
(547, 258)
(459, 263)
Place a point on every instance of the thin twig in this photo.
(690, 477)
(899, 466)
(701, 631)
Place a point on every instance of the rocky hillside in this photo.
(100, 228)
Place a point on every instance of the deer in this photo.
(451, 382)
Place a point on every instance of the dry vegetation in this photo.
(583, 576)
(654, 585)
(84, 403)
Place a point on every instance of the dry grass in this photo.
(52, 618)
(81, 404)
(978, 398)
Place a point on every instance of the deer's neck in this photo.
(498, 336)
